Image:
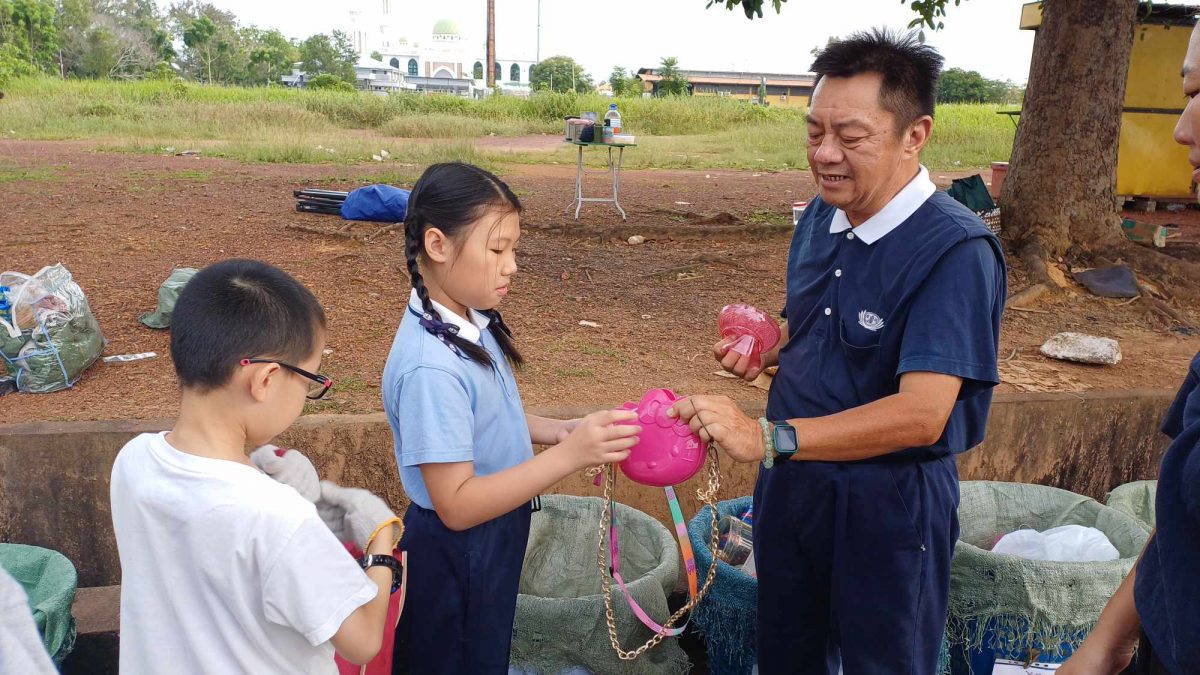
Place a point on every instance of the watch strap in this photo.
(388, 561)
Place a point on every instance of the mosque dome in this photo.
(447, 27)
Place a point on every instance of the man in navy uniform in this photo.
(894, 298)
(1157, 610)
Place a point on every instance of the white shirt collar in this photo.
(904, 204)
(470, 330)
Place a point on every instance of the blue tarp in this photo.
(380, 203)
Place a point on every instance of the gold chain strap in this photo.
(706, 495)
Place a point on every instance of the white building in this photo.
(369, 75)
(446, 61)
(377, 76)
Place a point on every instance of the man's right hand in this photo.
(743, 365)
(1096, 660)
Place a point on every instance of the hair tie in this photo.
(441, 330)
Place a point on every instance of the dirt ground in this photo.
(121, 222)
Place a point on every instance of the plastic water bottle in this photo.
(748, 567)
(613, 118)
(5, 308)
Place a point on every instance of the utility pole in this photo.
(491, 44)
(538, 56)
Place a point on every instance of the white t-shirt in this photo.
(21, 648)
(223, 570)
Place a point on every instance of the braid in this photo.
(412, 249)
(504, 338)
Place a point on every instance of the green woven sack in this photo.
(1017, 604)
(168, 294)
(1136, 499)
(49, 580)
(560, 624)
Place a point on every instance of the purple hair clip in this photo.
(440, 330)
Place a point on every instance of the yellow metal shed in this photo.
(1149, 162)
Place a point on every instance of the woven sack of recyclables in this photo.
(1136, 499)
(53, 336)
(1011, 604)
(560, 624)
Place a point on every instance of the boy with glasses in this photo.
(225, 570)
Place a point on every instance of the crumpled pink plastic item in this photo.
(667, 453)
(753, 330)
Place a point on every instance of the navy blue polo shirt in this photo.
(926, 296)
(1186, 407)
(1167, 587)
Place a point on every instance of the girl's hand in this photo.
(566, 428)
(600, 438)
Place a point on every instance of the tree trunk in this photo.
(1061, 186)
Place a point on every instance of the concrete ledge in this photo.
(97, 613)
(54, 476)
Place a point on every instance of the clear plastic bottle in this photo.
(613, 118)
(5, 308)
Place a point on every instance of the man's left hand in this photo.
(717, 419)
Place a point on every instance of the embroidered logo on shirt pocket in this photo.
(856, 340)
(870, 320)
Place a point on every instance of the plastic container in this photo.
(624, 139)
(608, 133)
(5, 308)
(736, 540)
(576, 127)
(753, 330)
(999, 173)
(612, 118)
(667, 453)
(749, 568)
(798, 211)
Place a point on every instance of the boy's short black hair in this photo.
(909, 69)
(239, 309)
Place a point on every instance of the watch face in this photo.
(785, 439)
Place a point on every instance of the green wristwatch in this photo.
(784, 439)
(779, 441)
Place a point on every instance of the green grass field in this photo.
(279, 125)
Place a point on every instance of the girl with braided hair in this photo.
(463, 440)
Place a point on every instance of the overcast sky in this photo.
(979, 35)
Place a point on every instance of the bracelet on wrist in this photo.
(768, 460)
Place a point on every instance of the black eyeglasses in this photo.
(320, 386)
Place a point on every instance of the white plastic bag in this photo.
(1067, 543)
(53, 336)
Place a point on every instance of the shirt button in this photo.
(849, 235)
(828, 311)
(837, 273)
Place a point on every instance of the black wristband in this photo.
(388, 561)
